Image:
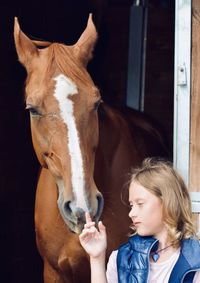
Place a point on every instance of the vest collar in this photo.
(190, 248)
(143, 244)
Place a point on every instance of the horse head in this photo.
(63, 100)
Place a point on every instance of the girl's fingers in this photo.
(87, 217)
(102, 228)
(86, 235)
(91, 230)
(88, 231)
(90, 224)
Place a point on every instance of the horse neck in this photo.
(114, 139)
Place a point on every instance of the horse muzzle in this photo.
(74, 216)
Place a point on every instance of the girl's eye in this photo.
(140, 203)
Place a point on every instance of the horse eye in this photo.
(33, 111)
(96, 105)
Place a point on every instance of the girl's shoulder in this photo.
(111, 271)
(113, 256)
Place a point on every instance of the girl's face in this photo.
(146, 212)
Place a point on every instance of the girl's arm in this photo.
(98, 271)
(94, 242)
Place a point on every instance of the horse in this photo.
(85, 149)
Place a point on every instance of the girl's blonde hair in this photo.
(159, 177)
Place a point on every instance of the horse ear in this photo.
(26, 49)
(85, 45)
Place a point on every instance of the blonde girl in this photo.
(164, 246)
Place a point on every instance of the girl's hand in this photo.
(93, 240)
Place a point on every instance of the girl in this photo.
(164, 246)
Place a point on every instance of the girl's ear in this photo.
(85, 45)
(25, 48)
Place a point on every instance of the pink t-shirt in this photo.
(159, 272)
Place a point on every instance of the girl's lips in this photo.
(136, 223)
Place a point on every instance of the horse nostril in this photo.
(67, 208)
(75, 214)
(100, 202)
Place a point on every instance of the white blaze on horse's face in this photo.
(63, 90)
(79, 194)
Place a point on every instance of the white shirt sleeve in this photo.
(111, 272)
(196, 277)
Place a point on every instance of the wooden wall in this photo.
(195, 100)
(194, 180)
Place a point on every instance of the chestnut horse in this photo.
(76, 144)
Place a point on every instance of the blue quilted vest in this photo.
(133, 260)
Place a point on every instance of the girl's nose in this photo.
(132, 212)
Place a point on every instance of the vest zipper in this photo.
(149, 258)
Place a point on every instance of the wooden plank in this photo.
(194, 180)
(194, 183)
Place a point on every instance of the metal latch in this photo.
(182, 78)
(195, 198)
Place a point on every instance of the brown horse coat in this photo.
(85, 155)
